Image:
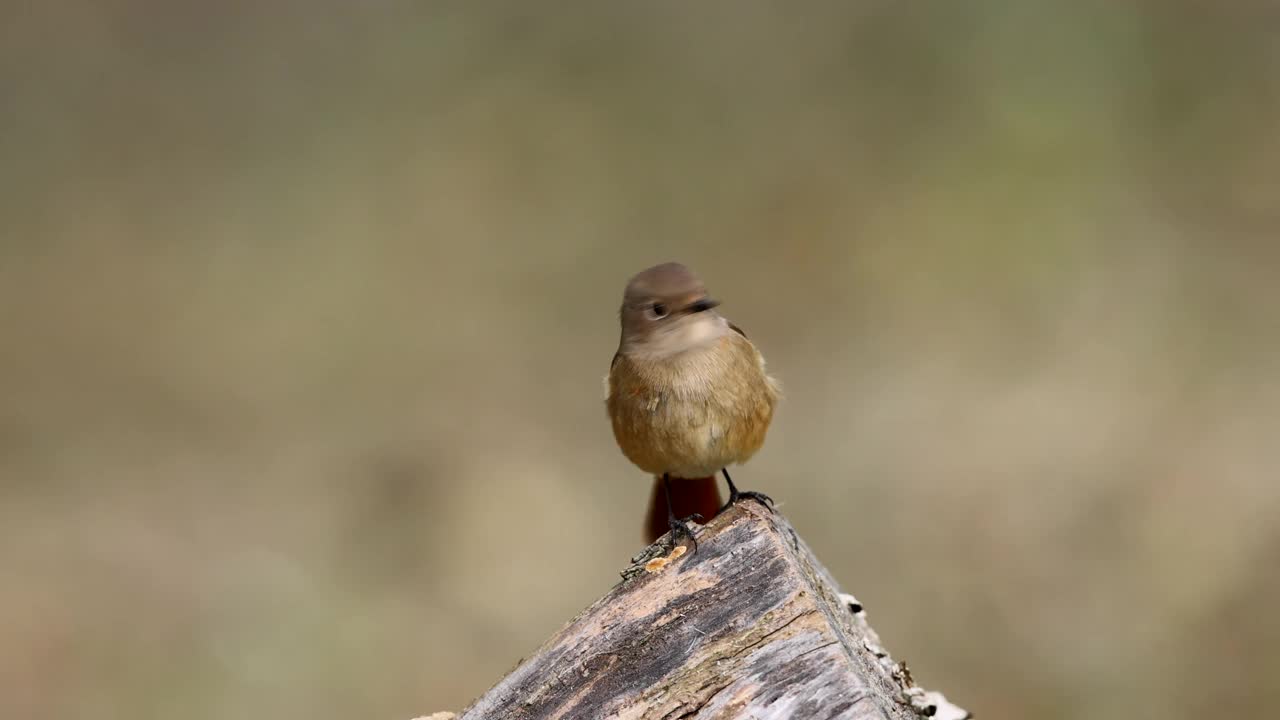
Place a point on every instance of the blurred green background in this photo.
(305, 309)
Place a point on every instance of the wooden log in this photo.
(750, 625)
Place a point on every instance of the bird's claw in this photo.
(680, 526)
(764, 500)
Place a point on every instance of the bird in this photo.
(687, 395)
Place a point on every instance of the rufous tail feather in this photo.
(688, 496)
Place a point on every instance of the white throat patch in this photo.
(688, 334)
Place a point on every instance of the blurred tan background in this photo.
(305, 310)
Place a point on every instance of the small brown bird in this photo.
(688, 395)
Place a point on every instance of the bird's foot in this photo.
(735, 495)
(681, 527)
(759, 497)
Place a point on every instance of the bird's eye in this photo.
(656, 311)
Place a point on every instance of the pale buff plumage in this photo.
(687, 394)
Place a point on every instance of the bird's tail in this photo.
(688, 496)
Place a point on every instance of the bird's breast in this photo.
(692, 413)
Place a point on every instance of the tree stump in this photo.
(750, 625)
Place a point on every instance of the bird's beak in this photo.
(701, 305)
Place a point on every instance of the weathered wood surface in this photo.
(749, 626)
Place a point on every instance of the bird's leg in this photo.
(735, 494)
(679, 526)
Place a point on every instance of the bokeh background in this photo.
(304, 310)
